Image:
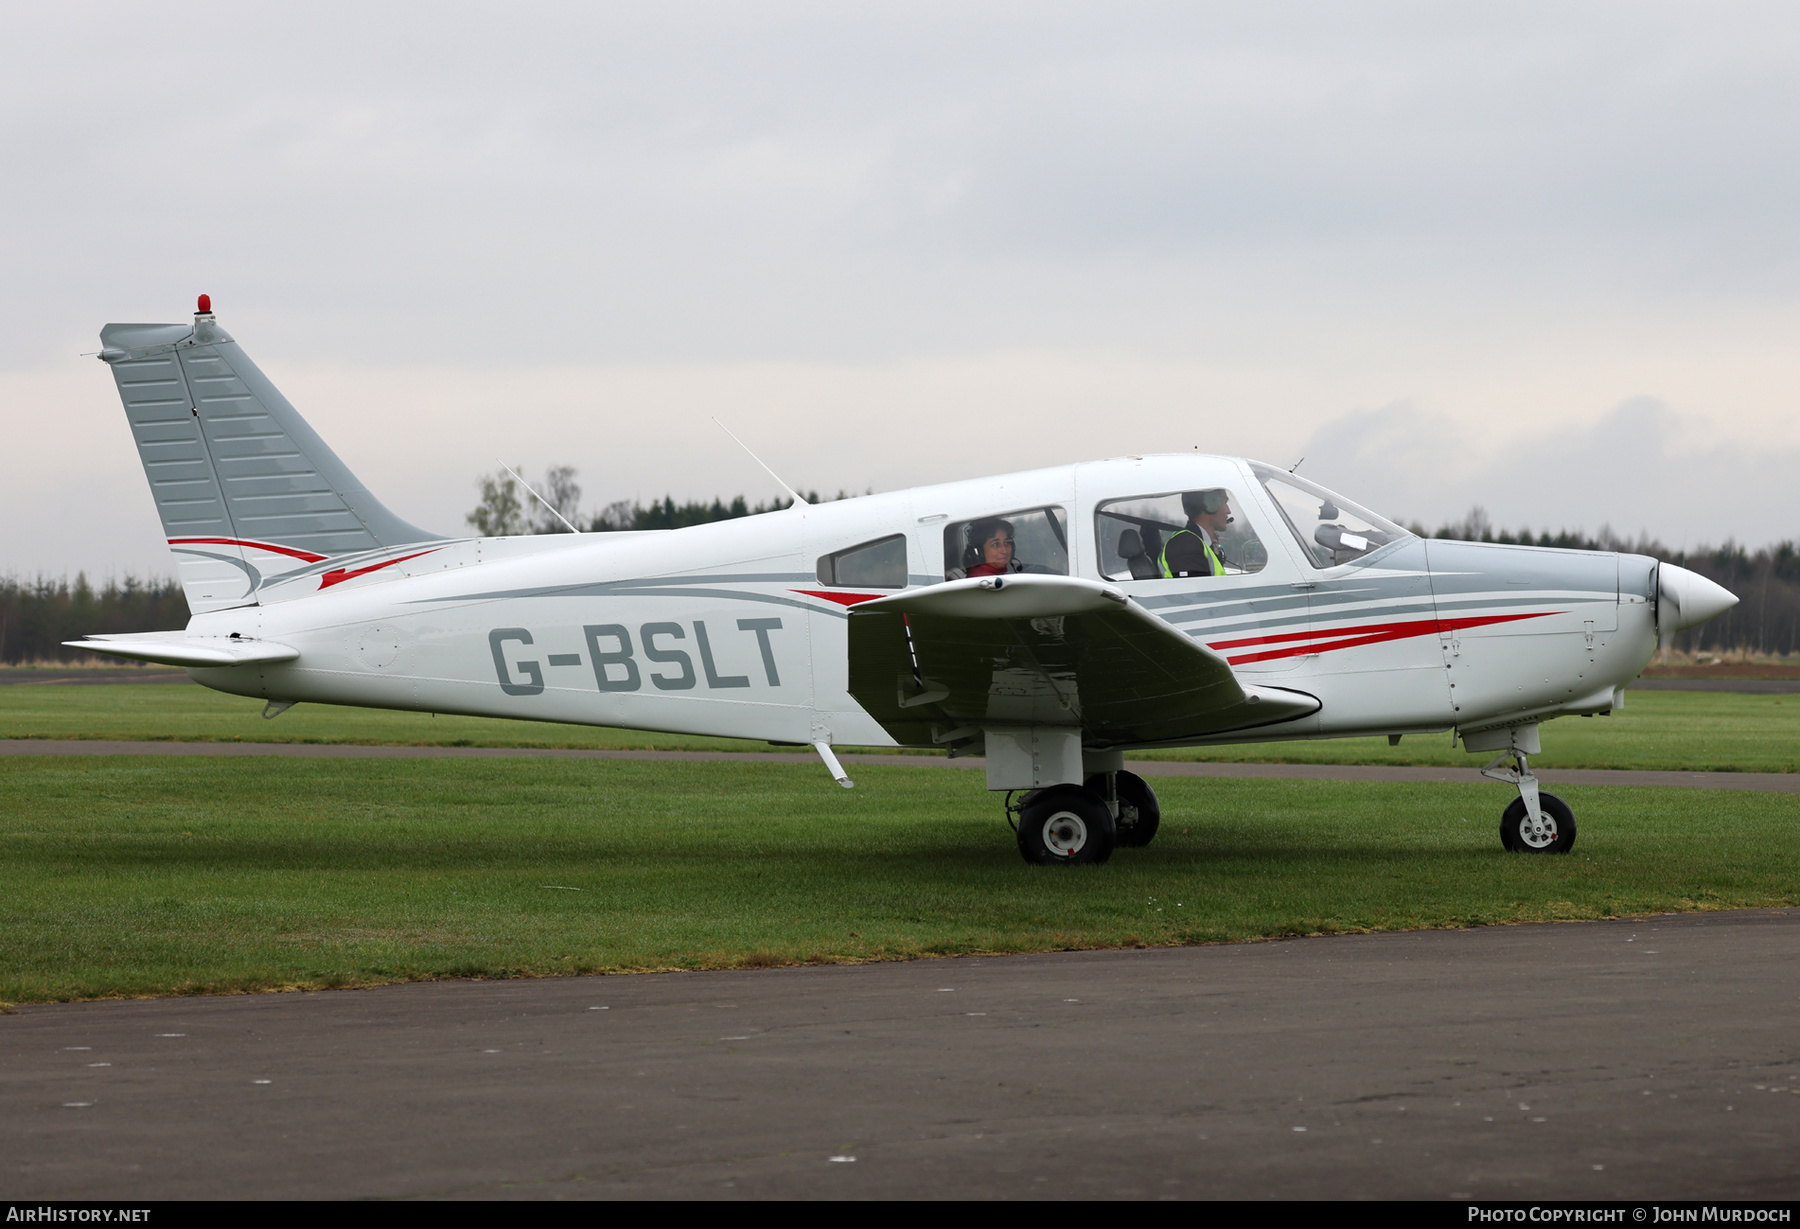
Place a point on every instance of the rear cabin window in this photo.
(1026, 540)
(880, 564)
(1150, 536)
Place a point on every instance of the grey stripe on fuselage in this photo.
(661, 586)
(1337, 601)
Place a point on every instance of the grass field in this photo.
(1710, 731)
(140, 875)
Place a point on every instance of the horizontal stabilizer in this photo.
(180, 649)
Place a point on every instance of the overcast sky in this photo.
(1536, 257)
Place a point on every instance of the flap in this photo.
(179, 649)
(936, 664)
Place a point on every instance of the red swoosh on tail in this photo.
(339, 575)
(306, 555)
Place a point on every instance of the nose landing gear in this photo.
(1534, 822)
(1552, 832)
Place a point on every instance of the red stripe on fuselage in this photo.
(842, 599)
(1354, 637)
(339, 575)
(306, 555)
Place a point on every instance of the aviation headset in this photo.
(1195, 503)
(979, 532)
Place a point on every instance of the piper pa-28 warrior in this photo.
(1051, 621)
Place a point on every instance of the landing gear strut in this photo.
(1133, 804)
(1534, 822)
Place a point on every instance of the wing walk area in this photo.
(1122, 675)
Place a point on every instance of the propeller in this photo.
(1687, 599)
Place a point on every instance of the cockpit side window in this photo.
(1025, 540)
(1329, 528)
(880, 564)
(1145, 537)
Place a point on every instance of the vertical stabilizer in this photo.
(247, 491)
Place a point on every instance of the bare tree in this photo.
(620, 514)
(562, 492)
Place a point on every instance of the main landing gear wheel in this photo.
(1556, 834)
(1065, 825)
(1139, 813)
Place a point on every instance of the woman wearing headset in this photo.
(991, 542)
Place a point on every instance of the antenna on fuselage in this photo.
(553, 512)
(1295, 466)
(741, 444)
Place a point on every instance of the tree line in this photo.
(36, 616)
(1766, 581)
(507, 508)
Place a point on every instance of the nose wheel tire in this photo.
(1065, 825)
(1554, 834)
(1139, 813)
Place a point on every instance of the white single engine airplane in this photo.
(1051, 620)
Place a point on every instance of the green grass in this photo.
(1711, 731)
(1696, 731)
(142, 875)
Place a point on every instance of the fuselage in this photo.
(738, 628)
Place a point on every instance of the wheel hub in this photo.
(1065, 833)
(1538, 835)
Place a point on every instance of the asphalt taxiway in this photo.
(1650, 1058)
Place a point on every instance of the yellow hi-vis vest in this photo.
(1212, 559)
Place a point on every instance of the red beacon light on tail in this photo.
(204, 307)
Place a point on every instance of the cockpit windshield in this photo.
(1330, 529)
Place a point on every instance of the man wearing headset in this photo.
(1193, 550)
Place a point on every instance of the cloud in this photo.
(1640, 469)
(858, 229)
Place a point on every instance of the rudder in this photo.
(246, 490)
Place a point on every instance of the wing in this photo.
(934, 665)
